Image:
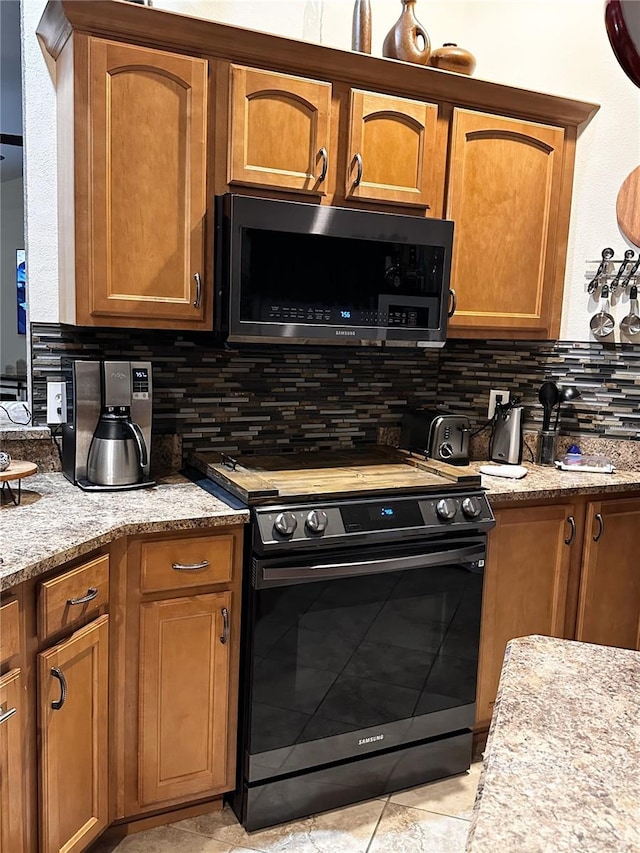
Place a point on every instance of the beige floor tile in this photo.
(454, 797)
(167, 839)
(347, 830)
(406, 830)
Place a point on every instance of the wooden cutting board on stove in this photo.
(370, 471)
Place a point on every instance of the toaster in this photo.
(437, 433)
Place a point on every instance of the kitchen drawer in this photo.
(72, 596)
(186, 562)
(9, 629)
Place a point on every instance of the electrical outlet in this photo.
(496, 396)
(56, 403)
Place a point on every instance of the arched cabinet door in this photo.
(504, 194)
(392, 150)
(147, 193)
(279, 131)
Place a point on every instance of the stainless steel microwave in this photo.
(305, 273)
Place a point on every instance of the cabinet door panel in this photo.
(12, 837)
(525, 587)
(609, 603)
(395, 139)
(74, 767)
(504, 192)
(148, 112)
(278, 126)
(184, 697)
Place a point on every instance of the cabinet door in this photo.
(12, 816)
(74, 765)
(184, 697)
(279, 131)
(609, 602)
(392, 143)
(525, 587)
(503, 194)
(147, 185)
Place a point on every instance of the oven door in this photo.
(358, 651)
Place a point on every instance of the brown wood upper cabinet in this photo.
(138, 144)
(278, 131)
(392, 147)
(504, 193)
(609, 603)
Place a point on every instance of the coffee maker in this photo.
(106, 440)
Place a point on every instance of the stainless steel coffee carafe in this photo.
(106, 440)
(118, 452)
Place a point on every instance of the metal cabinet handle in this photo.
(225, 626)
(5, 715)
(453, 302)
(600, 521)
(92, 592)
(59, 674)
(325, 164)
(358, 159)
(571, 536)
(196, 301)
(190, 567)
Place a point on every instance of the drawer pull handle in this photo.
(198, 281)
(600, 521)
(190, 567)
(59, 674)
(92, 592)
(5, 715)
(572, 523)
(325, 164)
(225, 626)
(358, 159)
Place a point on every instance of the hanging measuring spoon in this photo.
(607, 254)
(623, 266)
(634, 269)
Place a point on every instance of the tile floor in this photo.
(431, 819)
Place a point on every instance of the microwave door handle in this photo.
(453, 302)
(350, 569)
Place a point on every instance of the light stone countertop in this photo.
(58, 522)
(560, 773)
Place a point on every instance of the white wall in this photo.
(556, 46)
(13, 347)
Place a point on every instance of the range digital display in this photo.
(381, 516)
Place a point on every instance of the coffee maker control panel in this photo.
(140, 383)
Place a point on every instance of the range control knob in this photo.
(317, 521)
(446, 509)
(471, 507)
(285, 523)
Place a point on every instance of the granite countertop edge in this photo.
(26, 557)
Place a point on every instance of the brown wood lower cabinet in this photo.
(12, 838)
(74, 757)
(525, 587)
(184, 695)
(176, 669)
(609, 605)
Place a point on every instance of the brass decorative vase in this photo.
(450, 57)
(403, 39)
(361, 33)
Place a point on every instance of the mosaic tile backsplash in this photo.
(266, 398)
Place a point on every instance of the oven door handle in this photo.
(470, 554)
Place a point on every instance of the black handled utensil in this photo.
(634, 269)
(548, 396)
(627, 260)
